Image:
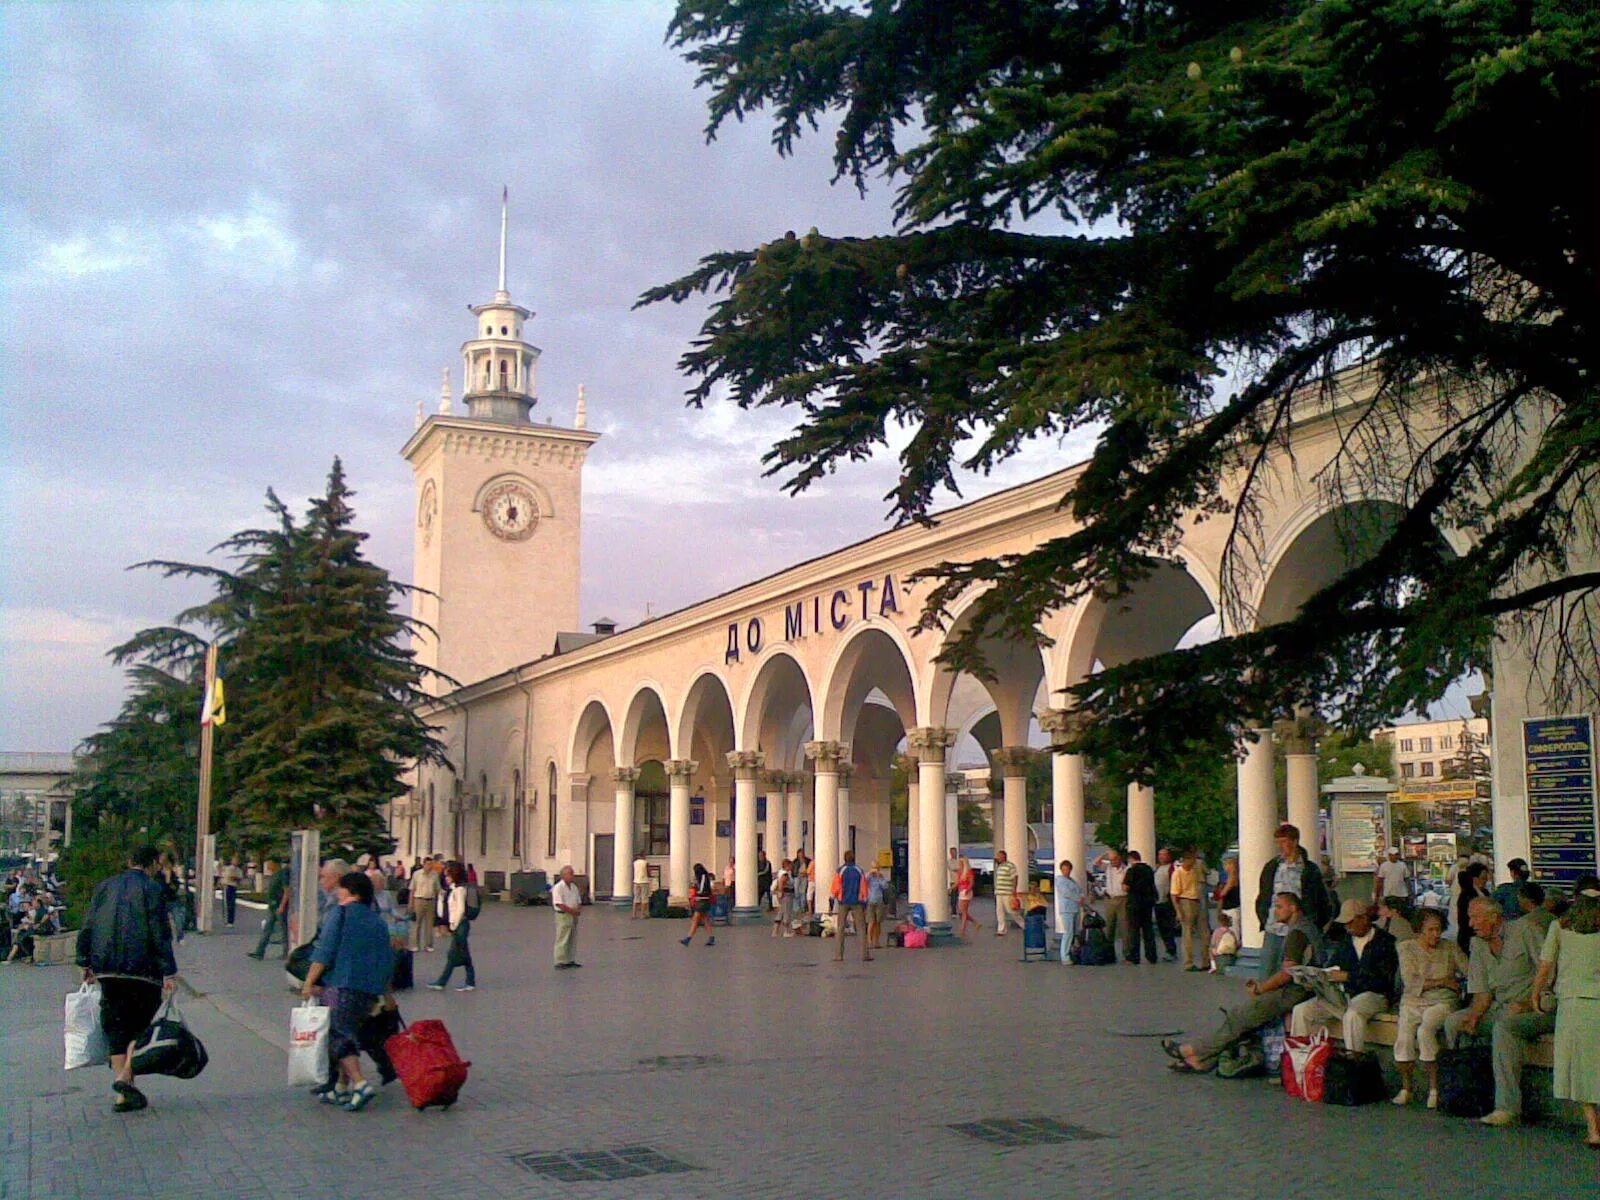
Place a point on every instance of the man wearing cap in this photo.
(1393, 879)
(1366, 963)
(1508, 894)
(1293, 872)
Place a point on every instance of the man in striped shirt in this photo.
(1005, 891)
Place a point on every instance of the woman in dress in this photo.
(1572, 956)
(966, 885)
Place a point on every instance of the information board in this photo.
(1360, 834)
(1563, 836)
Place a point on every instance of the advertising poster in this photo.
(1563, 838)
(1360, 833)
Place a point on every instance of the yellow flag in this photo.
(215, 709)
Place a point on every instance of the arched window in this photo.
(516, 814)
(550, 803)
(505, 369)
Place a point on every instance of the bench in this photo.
(1382, 1029)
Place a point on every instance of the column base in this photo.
(748, 916)
(941, 931)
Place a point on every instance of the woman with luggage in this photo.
(701, 896)
(352, 964)
(459, 921)
(1571, 956)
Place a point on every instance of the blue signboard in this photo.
(1563, 834)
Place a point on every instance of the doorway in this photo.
(604, 844)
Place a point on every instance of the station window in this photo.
(1427, 745)
(1427, 769)
(1407, 745)
(1408, 770)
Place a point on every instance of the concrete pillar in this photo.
(746, 767)
(679, 773)
(1298, 739)
(1258, 817)
(622, 839)
(825, 834)
(952, 814)
(846, 769)
(1142, 821)
(931, 742)
(913, 829)
(794, 801)
(1013, 762)
(1066, 793)
(773, 827)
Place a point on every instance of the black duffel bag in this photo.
(1352, 1079)
(1466, 1080)
(169, 1047)
(298, 964)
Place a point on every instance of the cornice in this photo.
(495, 439)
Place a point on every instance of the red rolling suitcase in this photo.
(426, 1060)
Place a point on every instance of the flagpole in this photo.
(202, 856)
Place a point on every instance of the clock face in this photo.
(428, 511)
(510, 511)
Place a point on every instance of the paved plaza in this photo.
(753, 1068)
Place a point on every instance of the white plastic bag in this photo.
(308, 1045)
(87, 1045)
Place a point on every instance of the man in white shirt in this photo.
(1393, 879)
(1116, 894)
(641, 886)
(567, 900)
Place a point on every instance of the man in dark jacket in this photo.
(1365, 962)
(1294, 872)
(1140, 882)
(126, 944)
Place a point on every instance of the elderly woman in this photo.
(354, 961)
(1572, 955)
(1431, 967)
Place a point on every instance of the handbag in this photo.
(1305, 1061)
(168, 1047)
(86, 1041)
(308, 1044)
(1016, 902)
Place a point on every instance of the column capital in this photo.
(775, 779)
(1298, 735)
(845, 768)
(682, 769)
(746, 764)
(931, 741)
(827, 755)
(907, 763)
(626, 775)
(1064, 725)
(1013, 761)
(579, 779)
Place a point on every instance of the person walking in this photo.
(849, 890)
(966, 885)
(424, 895)
(764, 875)
(1069, 907)
(641, 886)
(701, 897)
(459, 909)
(1007, 907)
(1187, 890)
(782, 901)
(352, 965)
(126, 945)
(277, 910)
(566, 898)
(230, 877)
(1140, 882)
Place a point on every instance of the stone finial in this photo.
(419, 413)
(444, 392)
(580, 420)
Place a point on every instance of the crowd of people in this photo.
(34, 905)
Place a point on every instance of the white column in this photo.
(913, 829)
(774, 826)
(1066, 793)
(997, 821)
(1299, 740)
(825, 844)
(746, 766)
(1142, 821)
(930, 743)
(1258, 817)
(622, 839)
(679, 772)
(847, 769)
(794, 802)
(952, 816)
(1013, 762)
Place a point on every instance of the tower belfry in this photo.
(500, 369)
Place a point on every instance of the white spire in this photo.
(444, 391)
(419, 413)
(505, 201)
(581, 420)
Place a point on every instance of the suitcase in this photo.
(1035, 941)
(1352, 1079)
(1466, 1081)
(403, 977)
(426, 1060)
(658, 903)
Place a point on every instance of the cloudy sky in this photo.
(241, 238)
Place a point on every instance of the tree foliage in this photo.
(1166, 223)
(322, 689)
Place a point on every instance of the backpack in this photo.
(1242, 1060)
(474, 901)
(1094, 949)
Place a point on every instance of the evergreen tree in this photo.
(1263, 192)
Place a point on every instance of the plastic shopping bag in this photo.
(1305, 1063)
(308, 1045)
(87, 1045)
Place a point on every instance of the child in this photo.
(1224, 944)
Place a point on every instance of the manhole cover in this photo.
(1144, 1033)
(679, 1062)
(1025, 1131)
(600, 1166)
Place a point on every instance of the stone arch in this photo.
(705, 725)
(1314, 547)
(645, 722)
(1019, 667)
(1150, 619)
(779, 683)
(870, 659)
(592, 732)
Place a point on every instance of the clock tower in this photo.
(498, 505)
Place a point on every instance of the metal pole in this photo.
(202, 856)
